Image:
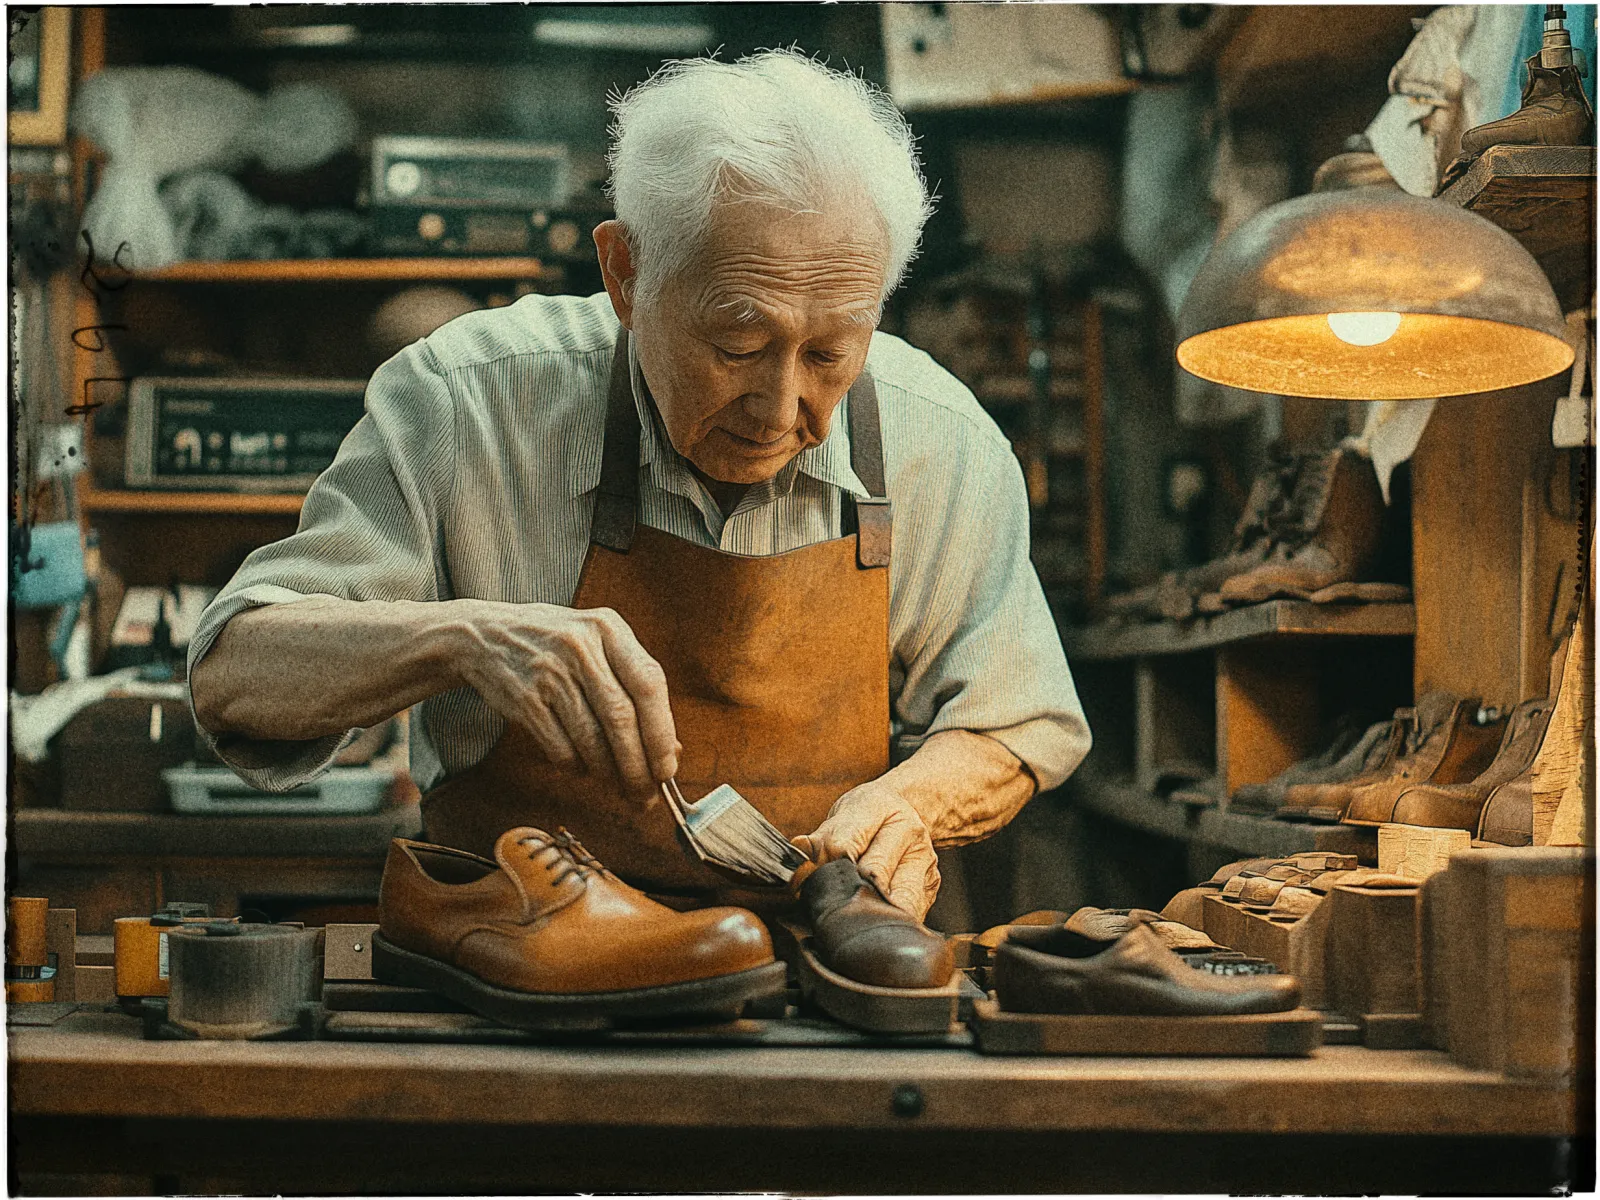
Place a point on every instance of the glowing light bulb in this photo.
(1364, 328)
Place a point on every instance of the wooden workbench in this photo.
(90, 1098)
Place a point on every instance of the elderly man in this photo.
(709, 525)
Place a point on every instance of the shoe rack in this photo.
(1185, 714)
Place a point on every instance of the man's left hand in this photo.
(888, 841)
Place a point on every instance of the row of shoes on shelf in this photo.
(1313, 529)
(1449, 762)
(1282, 889)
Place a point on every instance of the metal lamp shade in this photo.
(1475, 312)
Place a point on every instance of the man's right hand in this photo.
(579, 682)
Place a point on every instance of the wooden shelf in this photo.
(1275, 618)
(1124, 801)
(1544, 197)
(109, 500)
(347, 270)
(58, 835)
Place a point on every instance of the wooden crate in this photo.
(1508, 959)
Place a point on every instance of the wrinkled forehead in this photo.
(831, 262)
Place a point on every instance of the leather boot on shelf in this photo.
(1555, 111)
(1330, 535)
(1456, 750)
(1344, 758)
(1325, 802)
(1508, 815)
(1462, 805)
(1172, 597)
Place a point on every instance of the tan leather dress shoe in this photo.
(544, 931)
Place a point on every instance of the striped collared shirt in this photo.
(473, 474)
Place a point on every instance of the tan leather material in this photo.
(1508, 814)
(543, 918)
(1457, 752)
(1461, 805)
(778, 674)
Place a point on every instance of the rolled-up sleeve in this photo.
(369, 530)
(979, 648)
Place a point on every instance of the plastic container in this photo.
(217, 791)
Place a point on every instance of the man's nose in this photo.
(774, 403)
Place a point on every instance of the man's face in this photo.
(751, 347)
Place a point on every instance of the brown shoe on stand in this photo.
(544, 933)
(860, 935)
(1330, 536)
(1456, 750)
(1324, 803)
(1462, 805)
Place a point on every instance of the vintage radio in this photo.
(474, 173)
(555, 235)
(440, 195)
(239, 435)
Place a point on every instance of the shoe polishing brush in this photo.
(730, 835)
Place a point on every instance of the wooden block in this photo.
(876, 1009)
(1372, 963)
(96, 984)
(1274, 1035)
(1507, 964)
(347, 953)
(61, 941)
(1296, 947)
(1417, 851)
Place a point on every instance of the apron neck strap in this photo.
(616, 505)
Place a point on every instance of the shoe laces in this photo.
(571, 859)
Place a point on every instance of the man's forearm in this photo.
(290, 672)
(964, 785)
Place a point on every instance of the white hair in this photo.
(774, 127)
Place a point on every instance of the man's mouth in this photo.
(754, 449)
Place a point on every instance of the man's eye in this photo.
(825, 358)
(738, 355)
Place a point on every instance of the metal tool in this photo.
(730, 836)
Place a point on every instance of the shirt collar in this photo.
(827, 463)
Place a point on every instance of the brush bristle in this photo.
(733, 831)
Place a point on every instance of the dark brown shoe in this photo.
(1331, 535)
(1461, 805)
(1457, 750)
(1054, 970)
(860, 935)
(543, 932)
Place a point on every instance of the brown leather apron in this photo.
(777, 670)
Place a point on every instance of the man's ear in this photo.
(616, 268)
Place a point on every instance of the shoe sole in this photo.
(719, 995)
